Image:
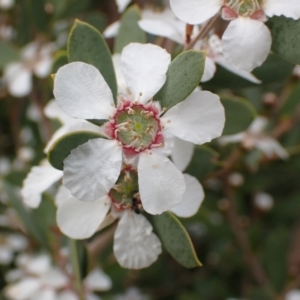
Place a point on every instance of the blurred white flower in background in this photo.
(122, 4)
(255, 137)
(247, 40)
(293, 295)
(6, 4)
(263, 201)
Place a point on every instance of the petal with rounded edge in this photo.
(18, 78)
(122, 4)
(198, 119)
(82, 92)
(182, 153)
(161, 184)
(38, 180)
(45, 294)
(162, 28)
(54, 278)
(192, 198)
(144, 68)
(289, 9)
(80, 220)
(271, 147)
(42, 69)
(91, 170)
(135, 245)
(195, 11)
(209, 70)
(246, 43)
(97, 280)
(112, 30)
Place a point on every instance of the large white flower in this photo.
(255, 137)
(167, 25)
(135, 245)
(135, 127)
(246, 41)
(36, 59)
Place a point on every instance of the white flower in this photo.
(263, 201)
(167, 25)
(135, 245)
(9, 244)
(293, 295)
(254, 137)
(35, 59)
(246, 41)
(6, 4)
(136, 130)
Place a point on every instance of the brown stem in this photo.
(242, 239)
(203, 32)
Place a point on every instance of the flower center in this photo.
(124, 194)
(244, 8)
(136, 126)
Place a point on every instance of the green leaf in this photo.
(176, 240)
(285, 38)
(239, 114)
(96, 19)
(8, 54)
(87, 44)
(63, 146)
(129, 31)
(60, 59)
(26, 216)
(183, 76)
(292, 103)
(203, 162)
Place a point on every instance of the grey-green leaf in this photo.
(183, 76)
(8, 54)
(87, 44)
(176, 240)
(129, 31)
(63, 146)
(239, 114)
(285, 38)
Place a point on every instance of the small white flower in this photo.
(35, 59)
(135, 245)
(167, 25)
(136, 130)
(254, 137)
(263, 201)
(246, 41)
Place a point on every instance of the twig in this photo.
(203, 32)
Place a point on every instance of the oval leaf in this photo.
(285, 38)
(63, 146)
(176, 240)
(239, 114)
(183, 76)
(87, 44)
(129, 31)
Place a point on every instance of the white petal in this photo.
(242, 73)
(80, 220)
(192, 199)
(144, 68)
(6, 4)
(198, 119)
(91, 296)
(18, 78)
(135, 245)
(271, 147)
(81, 91)
(112, 30)
(258, 125)
(53, 111)
(91, 170)
(97, 280)
(246, 43)
(293, 295)
(209, 70)
(67, 295)
(6, 255)
(17, 242)
(55, 279)
(195, 11)
(161, 184)
(45, 294)
(38, 265)
(43, 67)
(22, 290)
(122, 87)
(290, 9)
(122, 4)
(234, 138)
(182, 153)
(162, 28)
(38, 180)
